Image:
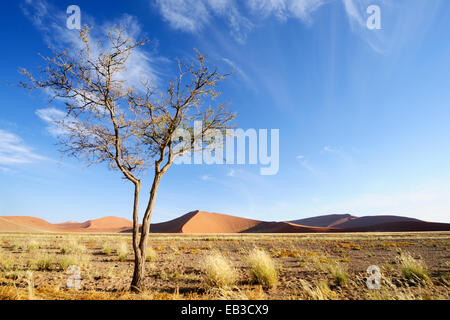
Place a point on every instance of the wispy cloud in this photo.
(236, 68)
(52, 116)
(13, 151)
(240, 73)
(206, 177)
(5, 170)
(357, 16)
(52, 24)
(231, 173)
(402, 23)
(329, 149)
(354, 10)
(284, 9)
(194, 15)
(188, 16)
(306, 165)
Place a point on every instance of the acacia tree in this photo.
(106, 120)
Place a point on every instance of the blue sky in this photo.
(364, 115)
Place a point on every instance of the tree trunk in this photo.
(138, 265)
(138, 274)
(141, 249)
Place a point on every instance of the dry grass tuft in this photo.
(256, 294)
(80, 260)
(32, 245)
(413, 269)
(262, 268)
(45, 262)
(11, 293)
(72, 247)
(6, 262)
(339, 274)
(122, 250)
(320, 291)
(218, 271)
(107, 248)
(150, 254)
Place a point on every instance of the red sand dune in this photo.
(31, 224)
(284, 227)
(403, 226)
(366, 221)
(115, 223)
(330, 220)
(105, 224)
(25, 224)
(204, 222)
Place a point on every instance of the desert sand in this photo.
(207, 222)
(330, 220)
(32, 224)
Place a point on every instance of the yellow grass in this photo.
(413, 269)
(262, 268)
(218, 271)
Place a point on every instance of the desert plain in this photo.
(94, 260)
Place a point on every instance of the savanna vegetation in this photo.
(227, 266)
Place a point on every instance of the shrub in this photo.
(72, 247)
(320, 292)
(150, 254)
(67, 261)
(413, 269)
(122, 251)
(32, 245)
(6, 262)
(107, 249)
(262, 268)
(44, 263)
(339, 275)
(218, 271)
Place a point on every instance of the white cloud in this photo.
(304, 9)
(267, 7)
(5, 170)
(354, 11)
(52, 23)
(402, 23)
(231, 173)
(190, 15)
(284, 9)
(407, 22)
(14, 151)
(239, 71)
(357, 17)
(193, 15)
(52, 116)
(305, 164)
(329, 149)
(205, 177)
(239, 25)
